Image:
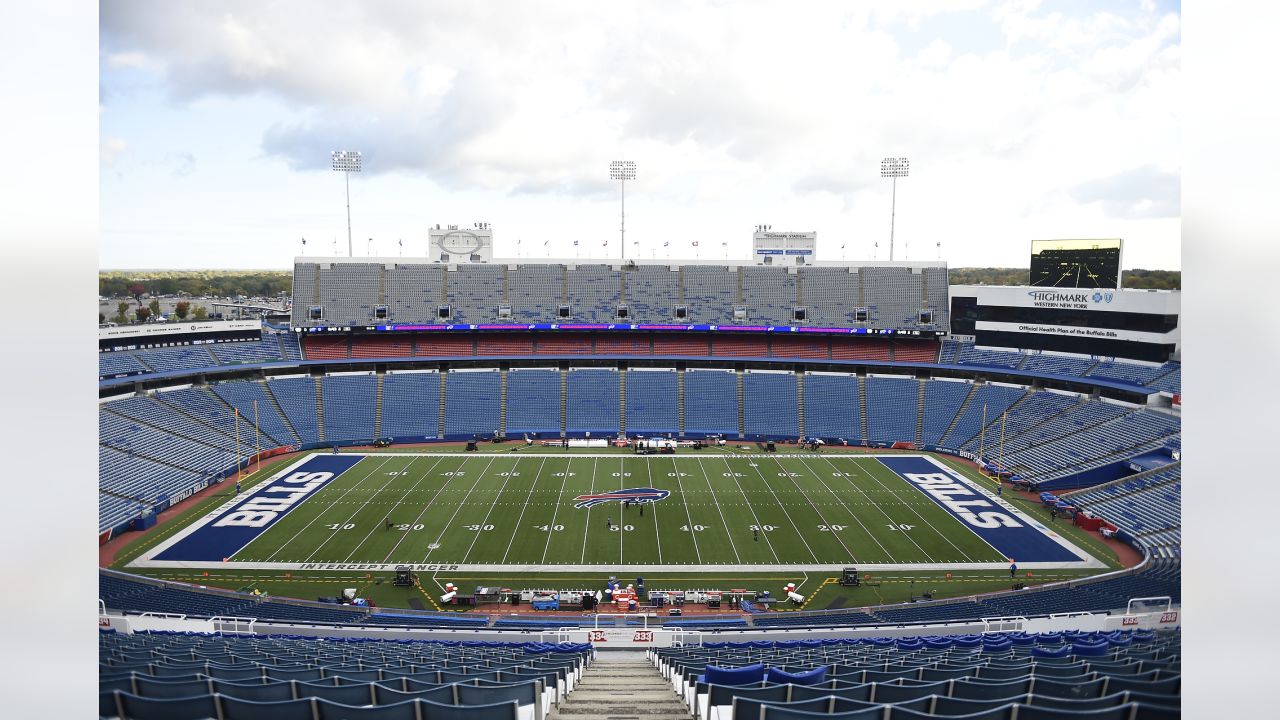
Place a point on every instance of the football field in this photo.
(535, 511)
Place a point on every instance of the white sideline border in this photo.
(147, 559)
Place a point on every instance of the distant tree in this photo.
(121, 309)
(142, 314)
(154, 305)
(101, 318)
(200, 313)
(181, 309)
(137, 290)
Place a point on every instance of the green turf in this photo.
(505, 509)
(529, 518)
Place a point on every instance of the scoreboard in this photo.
(1076, 263)
(1130, 324)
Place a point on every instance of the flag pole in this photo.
(257, 436)
(1000, 467)
(982, 442)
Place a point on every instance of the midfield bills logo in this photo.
(631, 495)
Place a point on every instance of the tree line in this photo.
(220, 283)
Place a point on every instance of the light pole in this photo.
(347, 162)
(894, 168)
(623, 170)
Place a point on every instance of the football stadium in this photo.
(363, 454)
(457, 485)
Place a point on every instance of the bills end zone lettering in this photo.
(238, 524)
(1000, 528)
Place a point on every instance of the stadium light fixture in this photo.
(894, 168)
(347, 162)
(623, 170)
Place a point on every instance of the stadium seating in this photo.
(1144, 504)
(591, 404)
(652, 292)
(296, 397)
(942, 400)
(710, 403)
(473, 403)
(808, 348)
(988, 401)
(769, 405)
(652, 401)
(243, 677)
(411, 405)
(832, 408)
(533, 402)
(251, 399)
(892, 409)
(381, 346)
(119, 363)
(256, 351)
(349, 406)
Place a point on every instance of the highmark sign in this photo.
(1073, 300)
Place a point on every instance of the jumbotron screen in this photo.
(1076, 263)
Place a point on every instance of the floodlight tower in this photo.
(623, 170)
(347, 162)
(894, 168)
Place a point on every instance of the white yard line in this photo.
(814, 505)
(716, 501)
(555, 510)
(376, 525)
(852, 514)
(648, 467)
(523, 506)
(586, 529)
(461, 505)
(510, 474)
(799, 533)
(684, 501)
(422, 512)
(882, 512)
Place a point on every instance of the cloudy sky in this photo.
(1022, 119)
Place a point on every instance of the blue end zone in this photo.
(1004, 531)
(236, 526)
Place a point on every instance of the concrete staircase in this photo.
(622, 685)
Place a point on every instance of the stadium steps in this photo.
(502, 403)
(377, 404)
(862, 406)
(742, 420)
(320, 408)
(800, 403)
(159, 397)
(1172, 370)
(564, 402)
(1126, 452)
(622, 400)
(231, 408)
(622, 685)
(266, 390)
(973, 390)
(680, 400)
(167, 430)
(1129, 478)
(144, 363)
(995, 422)
(919, 413)
(1023, 362)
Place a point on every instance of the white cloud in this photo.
(110, 149)
(750, 103)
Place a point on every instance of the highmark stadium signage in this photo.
(1072, 300)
